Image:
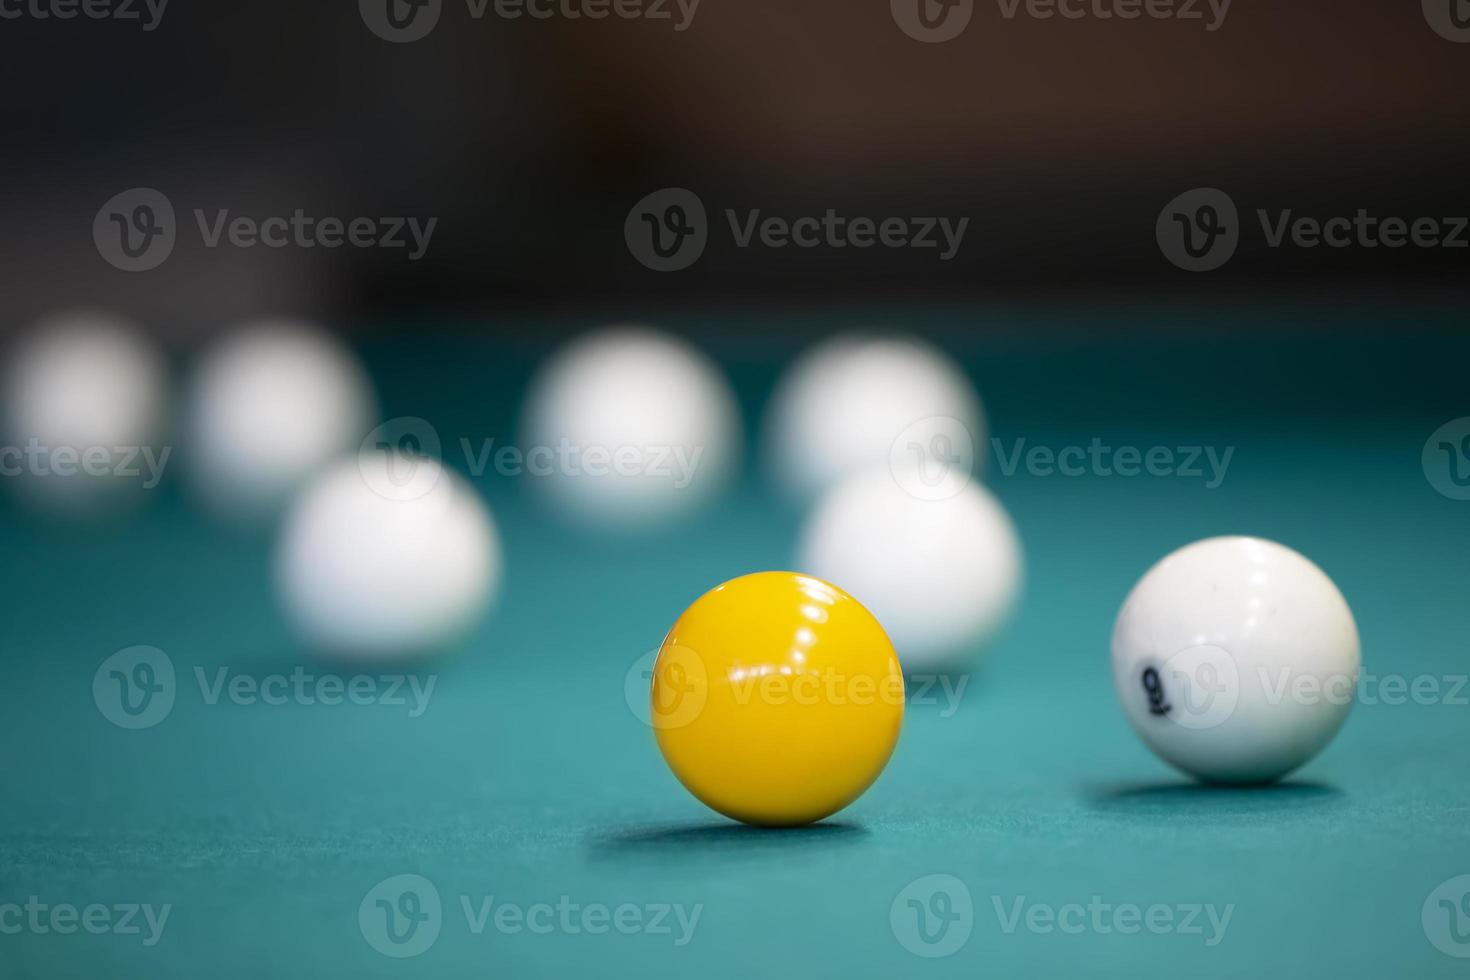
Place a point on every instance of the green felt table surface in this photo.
(528, 779)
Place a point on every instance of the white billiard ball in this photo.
(627, 428)
(85, 413)
(854, 401)
(269, 406)
(386, 555)
(1236, 659)
(941, 575)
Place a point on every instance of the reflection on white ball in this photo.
(269, 406)
(86, 400)
(942, 576)
(1236, 659)
(627, 427)
(854, 401)
(387, 556)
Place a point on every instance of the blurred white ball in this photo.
(855, 400)
(627, 427)
(942, 576)
(268, 407)
(387, 556)
(86, 404)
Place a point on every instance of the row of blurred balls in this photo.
(384, 552)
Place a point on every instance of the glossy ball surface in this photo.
(941, 575)
(627, 428)
(854, 401)
(777, 699)
(85, 399)
(269, 407)
(387, 557)
(1236, 659)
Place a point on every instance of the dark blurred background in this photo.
(529, 140)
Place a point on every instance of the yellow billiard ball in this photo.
(777, 699)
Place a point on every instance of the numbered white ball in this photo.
(855, 401)
(941, 575)
(387, 556)
(1236, 659)
(85, 413)
(269, 406)
(627, 428)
